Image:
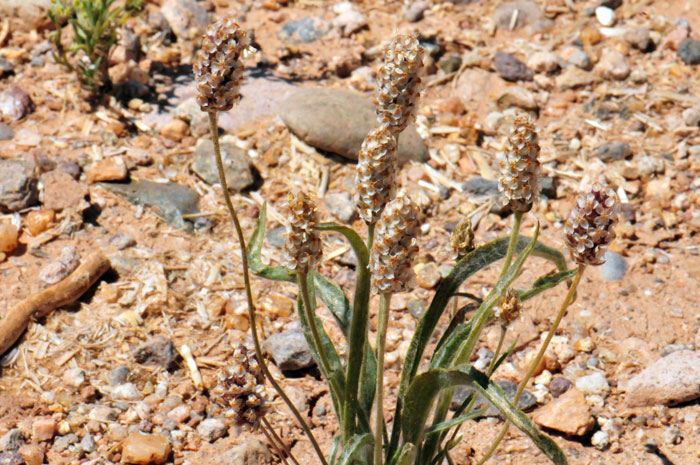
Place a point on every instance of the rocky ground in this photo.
(614, 90)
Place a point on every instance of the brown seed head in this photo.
(509, 308)
(242, 387)
(520, 169)
(375, 178)
(462, 239)
(399, 82)
(218, 69)
(589, 227)
(395, 246)
(303, 246)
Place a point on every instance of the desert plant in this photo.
(422, 432)
(94, 24)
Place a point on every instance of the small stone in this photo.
(8, 238)
(577, 57)
(639, 38)
(122, 241)
(15, 103)
(572, 78)
(605, 16)
(62, 191)
(118, 375)
(43, 429)
(251, 452)
(175, 130)
(88, 444)
(103, 414)
(600, 440)
(187, 18)
(179, 414)
(689, 51)
(126, 391)
(341, 205)
(60, 268)
(33, 454)
(529, 14)
(510, 68)
(145, 449)
(12, 440)
(672, 435)
(586, 344)
(116, 432)
(614, 268)
(559, 385)
(109, 169)
(74, 377)
(427, 275)
(159, 351)
(416, 308)
(450, 63)
(190, 112)
(349, 20)
(517, 96)
(671, 380)
(691, 116)
(6, 132)
(675, 38)
(11, 458)
(38, 221)
(612, 65)
(614, 151)
(237, 165)
(290, 350)
(306, 29)
(543, 62)
(593, 384)
(415, 11)
(18, 185)
(568, 414)
(211, 429)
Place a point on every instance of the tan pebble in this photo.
(8, 237)
(175, 129)
(584, 345)
(135, 104)
(117, 127)
(427, 275)
(675, 37)
(110, 293)
(38, 221)
(145, 449)
(568, 414)
(109, 169)
(43, 429)
(33, 454)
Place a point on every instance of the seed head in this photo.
(303, 246)
(509, 308)
(519, 166)
(218, 69)
(395, 246)
(462, 239)
(376, 173)
(242, 387)
(589, 227)
(399, 82)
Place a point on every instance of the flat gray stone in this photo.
(290, 350)
(18, 185)
(614, 268)
(237, 165)
(338, 120)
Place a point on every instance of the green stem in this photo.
(517, 219)
(214, 128)
(370, 237)
(382, 322)
(496, 354)
(533, 366)
(311, 317)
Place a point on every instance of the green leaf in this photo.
(547, 282)
(454, 421)
(254, 252)
(335, 300)
(335, 448)
(425, 387)
(408, 452)
(357, 450)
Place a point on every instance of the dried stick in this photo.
(60, 294)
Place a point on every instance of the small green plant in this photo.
(94, 24)
(422, 431)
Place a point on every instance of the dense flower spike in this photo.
(242, 387)
(399, 82)
(218, 69)
(589, 227)
(303, 246)
(462, 239)
(520, 168)
(509, 308)
(376, 173)
(395, 246)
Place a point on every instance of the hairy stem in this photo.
(382, 322)
(214, 129)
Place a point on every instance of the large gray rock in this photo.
(237, 165)
(18, 185)
(337, 121)
(290, 350)
(671, 380)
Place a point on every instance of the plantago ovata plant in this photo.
(422, 431)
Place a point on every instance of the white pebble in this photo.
(126, 391)
(606, 16)
(600, 440)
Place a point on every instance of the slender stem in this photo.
(517, 219)
(370, 237)
(496, 354)
(382, 322)
(279, 440)
(280, 452)
(311, 317)
(214, 128)
(533, 366)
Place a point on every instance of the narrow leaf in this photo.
(357, 450)
(455, 421)
(254, 252)
(547, 282)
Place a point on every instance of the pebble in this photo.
(672, 435)
(349, 19)
(614, 268)
(122, 241)
(671, 380)
(593, 384)
(529, 14)
(517, 96)
(543, 62)
(211, 429)
(416, 10)
(118, 375)
(306, 29)
(175, 130)
(689, 51)
(43, 429)
(187, 18)
(612, 65)
(484, 190)
(577, 57)
(605, 16)
(33, 454)
(450, 63)
(337, 121)
(126, 391)
(15, 103)
(190, 112)
(11, 458)
(639, 38)
(510, 68)
(427, 275)
(649, 165)
(38, 221)
(159, 351)
(341, 206)
(170, 200)
(145, 449)
(251, 452)
(6, 132)
(290, 350)
(103, 414)
(60, 268)
(18, 185)
(568, 414)
(88, 444)
(559, 385)
(573, 77)
(237, 165)
(675, 38)
(614, 151)
(179, 414)
(109, 169)
(600, 440)
(74, 377)
(61, 190)
(62, 443)
(691, 116)
(8, 238)
(12, 440)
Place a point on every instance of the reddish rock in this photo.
(568, 414)
(109, 169)
(61, 190)
(43, 429)
(145, 449)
